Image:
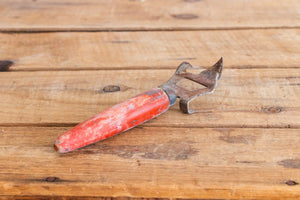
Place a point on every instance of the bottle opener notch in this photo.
(208, 78)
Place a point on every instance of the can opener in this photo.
(141, 108)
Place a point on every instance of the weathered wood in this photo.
(243, 98)
(141, 50)
(242, 143)
(44, 15)
(52, 197)
(203, 163)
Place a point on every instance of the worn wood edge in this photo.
(230, 192)
(54, 197)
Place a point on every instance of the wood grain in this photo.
(52, 197)
(242, 143)
(203, 163)
(243, 98)
(57, 15)
(155, 50)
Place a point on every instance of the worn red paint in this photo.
(114, 120)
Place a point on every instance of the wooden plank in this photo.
(45, 15)
(243, 98)
(203, 163)
(141, 50)
(51, 197)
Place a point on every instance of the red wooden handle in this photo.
(114, 120)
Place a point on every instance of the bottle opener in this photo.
(141, 108)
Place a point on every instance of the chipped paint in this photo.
(114, 120)
(141, 108)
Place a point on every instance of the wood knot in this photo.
(273, 109)
(290, 163)
(5, 64)
(291, 183)
(111, 88)
(51, 179)
(185, 16)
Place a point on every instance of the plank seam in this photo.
(60, 197)
(152, 125)
(15, 69)
(39, 30)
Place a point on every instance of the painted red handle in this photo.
(114, 120)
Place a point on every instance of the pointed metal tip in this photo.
(218, 67)
(221, 60)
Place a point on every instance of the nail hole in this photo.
(5, 64)
(273, 110)
(291, 182)
(51, 179)
(111, 88)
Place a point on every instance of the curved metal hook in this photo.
(208, 78)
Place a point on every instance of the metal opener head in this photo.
(208, 78)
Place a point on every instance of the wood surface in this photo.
(91, 15)
(79, 198)
(220, 163)
(259, 98)
(151, 50)
(242, 143)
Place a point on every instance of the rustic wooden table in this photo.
(242, 143)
